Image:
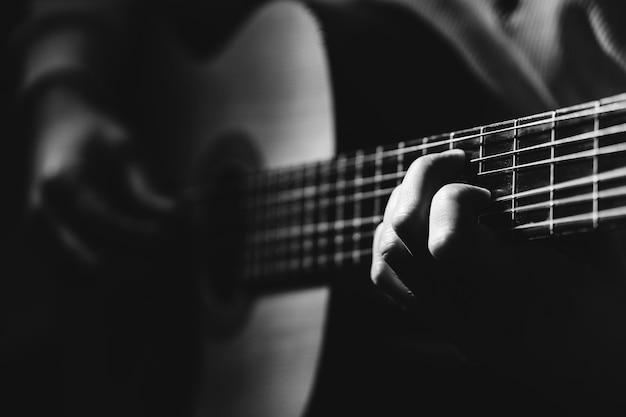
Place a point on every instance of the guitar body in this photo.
(267, 90)
(270, 87)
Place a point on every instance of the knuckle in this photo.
(402, 220)
(387, 243)
(422, 165)
(376, 272)
(442, 243)
(450, 192)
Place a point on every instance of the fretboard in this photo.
(552, 173)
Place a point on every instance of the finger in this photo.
(453, 226)
(423, 179)
(384, 277)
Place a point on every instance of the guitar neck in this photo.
(550, 174)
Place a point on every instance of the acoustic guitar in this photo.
(276, 211)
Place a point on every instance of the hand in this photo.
(429, 226)
(548, 313)
(89, 194)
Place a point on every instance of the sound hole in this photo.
(217, 225)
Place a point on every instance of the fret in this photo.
(549, 174)
(356, 219)
(497, 143)
(297, 217)
(575, 159)
(609, 196)
(596, 128)
(321, 228)
(552, 139)
(378, 175)
(481, 151)
(514, 168)
(338, 239)
(400, 163)
(282, 223)
(308, 218)
(270, 235)
(469, 140)
(437, 144)
(255, 245)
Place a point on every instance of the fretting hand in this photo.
(556, 305)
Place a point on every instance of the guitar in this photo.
(306, 213)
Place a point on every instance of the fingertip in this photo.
(455, 153)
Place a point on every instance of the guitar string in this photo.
(605, 150)
(426, 144)
(289, 263)
(615, 192)
(322, 228)
(596, 134)
(385, 192)
(287, 196)
(579, 198)
(310, 262)
(357, 253)
(282, 195)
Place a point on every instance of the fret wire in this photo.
(322, 241)
(378, 175)
(261, 195)
(361, 254)
(586, 197)
(596, 147)
(278, 193)
(250, 220)
(283, 219)
(606, 214)
(398, 175)
(514, 171)
(481, 150)
(605, 176)
(619, 173)
(269, 244)
(356, 222)
(349, 183)
(400, 158)
(339, 209)
(552, 168)
(612, 130)
(607, 106)
(569, 157)
(309, 215)
(426, 143)
(610, 107)
(309, 229)
(298, 216)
